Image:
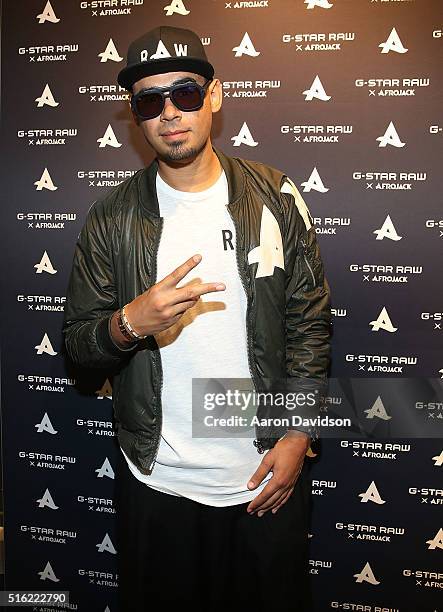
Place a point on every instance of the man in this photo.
(200, 266)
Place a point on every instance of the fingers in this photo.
(193, 292)
(274, 500)
(262, 471)
(179, 273)
(283, 501)
(180, 308)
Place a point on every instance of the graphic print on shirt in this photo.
(269, 253)
(227, 238)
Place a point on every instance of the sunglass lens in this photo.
(149, 105)
(187, 97)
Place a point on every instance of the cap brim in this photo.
(131, 74)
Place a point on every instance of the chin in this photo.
(179, 152)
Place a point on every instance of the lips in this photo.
(174, 133)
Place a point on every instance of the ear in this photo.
(216, 95)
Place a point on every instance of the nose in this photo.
(170, 112)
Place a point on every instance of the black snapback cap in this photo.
(164, 49)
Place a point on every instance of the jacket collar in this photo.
(147, 182)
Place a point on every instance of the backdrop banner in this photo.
(345, 97)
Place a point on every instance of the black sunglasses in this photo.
(149, 103)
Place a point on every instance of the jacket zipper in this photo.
(307, 262)
(157, 358)
(256, 442)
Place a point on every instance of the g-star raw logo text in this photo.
(390, 181)
(317, 133)
(109, 8)
(249, 89)
(392, 87)
(48, 53)
(319, 41)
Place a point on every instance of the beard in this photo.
(178, 151)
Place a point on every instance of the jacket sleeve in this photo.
(91, 297)
(308, 308)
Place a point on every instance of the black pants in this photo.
(173, 550)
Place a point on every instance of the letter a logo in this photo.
(108, 139)
(383, 322)
(393, 43)
(45, 425)
(320, 3)
(387, 230)
(45, 346)
(437, 541)
(45, 182)
(314, 182)
(371, 494)
(48, 14)
(245, 47)
(366, 575)
(378, 410)
(106, 545)
(390, 137)
(46, 501)
(110, 53)
(45, 265)
(316, 91)
(176, 6)
(244, 137)
(46, 98)
(48, 573)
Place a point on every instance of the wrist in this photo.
(126, 326)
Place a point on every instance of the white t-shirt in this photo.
(209, 341)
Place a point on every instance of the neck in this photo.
(195, 175)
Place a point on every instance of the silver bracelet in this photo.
(128, 326)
